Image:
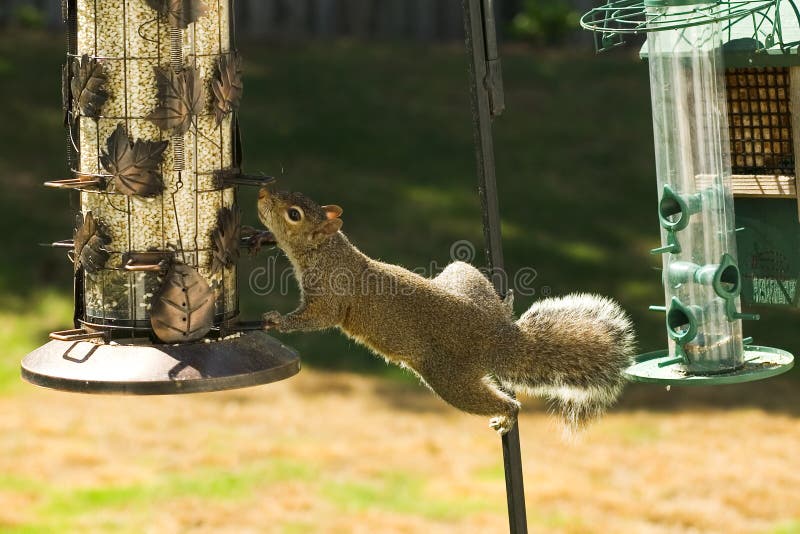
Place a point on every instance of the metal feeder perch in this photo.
(688, 44)
(151, 93)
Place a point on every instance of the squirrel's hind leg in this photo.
(477, 395)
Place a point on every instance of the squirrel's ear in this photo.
(329, 227)
(333, 211)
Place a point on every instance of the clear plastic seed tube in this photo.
(701, 279)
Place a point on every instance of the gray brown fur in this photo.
(452, 330)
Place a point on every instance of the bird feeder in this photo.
(719, 135)
(151, 92)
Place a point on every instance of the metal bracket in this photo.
(79, 182)
(148, 262)
(494, 86)
(494, 68)
(64, 243)
(235, 177)
(76, 334)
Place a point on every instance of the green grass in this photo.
(791, 527)
(62, 510)
(24, 324)
(297, 527)
(491, 473)
(385, 131)
(59, 510)
(402, 493)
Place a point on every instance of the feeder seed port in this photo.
(724, 277)
(674, 210)
(682, 321)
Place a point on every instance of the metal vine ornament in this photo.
(151, 94)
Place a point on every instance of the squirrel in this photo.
(453, 331)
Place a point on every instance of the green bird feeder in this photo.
(722, 75)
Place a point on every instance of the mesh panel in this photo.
(760, 121)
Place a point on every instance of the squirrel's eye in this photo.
(294, 214)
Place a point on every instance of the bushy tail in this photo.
(578, 347)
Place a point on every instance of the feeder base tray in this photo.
(252, 359)
(760, 362)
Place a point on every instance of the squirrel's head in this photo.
(295, 220)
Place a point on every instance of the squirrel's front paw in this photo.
(260, 239)
(502, 424)
(273, 320)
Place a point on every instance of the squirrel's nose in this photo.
(263, 193)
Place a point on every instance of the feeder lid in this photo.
(251, 359)
(661, 368)
(766, 38)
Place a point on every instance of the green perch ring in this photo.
(661, 368)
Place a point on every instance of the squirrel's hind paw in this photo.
(502, 424)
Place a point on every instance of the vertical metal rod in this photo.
(488, 102)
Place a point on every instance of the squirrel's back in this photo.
(578, 347)
(424, 322)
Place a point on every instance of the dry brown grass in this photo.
(344, 453)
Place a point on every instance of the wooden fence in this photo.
(419, 20)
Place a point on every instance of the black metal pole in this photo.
(488, 102)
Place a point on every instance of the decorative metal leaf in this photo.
(227, 86)
(88, 86)
(226, 239)
(134, 166)
(90, 244)
(180, 13)
(181, 97)
(183, 309)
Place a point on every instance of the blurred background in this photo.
(365, 103)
